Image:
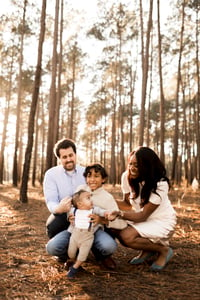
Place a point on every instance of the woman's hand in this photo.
(111, 216)
(140, 216)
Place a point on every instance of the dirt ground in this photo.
(27, 272)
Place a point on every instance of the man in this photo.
(60, 183)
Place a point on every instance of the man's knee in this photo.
(56, 224)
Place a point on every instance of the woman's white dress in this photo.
(161, 223)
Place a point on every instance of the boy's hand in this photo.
(111, 216)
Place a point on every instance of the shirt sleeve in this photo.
(99, 211)
(50, 192)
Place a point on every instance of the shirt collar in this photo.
(97, 190)
(70, 173)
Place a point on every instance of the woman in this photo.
(145, 187)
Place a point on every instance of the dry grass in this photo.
(27, 272)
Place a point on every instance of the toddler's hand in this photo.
(95, 219)
(71, 218)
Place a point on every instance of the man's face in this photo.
(68, 158)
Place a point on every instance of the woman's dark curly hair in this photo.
(150, 169)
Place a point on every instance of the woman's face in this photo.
(133, 167)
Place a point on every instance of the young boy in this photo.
(96, 176)
(82, 236)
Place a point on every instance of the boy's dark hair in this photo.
(98, 168)
(76, 197)
(63, 144)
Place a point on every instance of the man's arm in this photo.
(51, 194)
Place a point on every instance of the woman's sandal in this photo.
(156, 268)
(140, 260)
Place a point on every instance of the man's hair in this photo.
(76, 197)
(63, 144)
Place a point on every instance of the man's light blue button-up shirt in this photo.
(58, 184)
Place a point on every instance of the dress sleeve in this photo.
(161, 193)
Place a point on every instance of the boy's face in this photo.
(94, 179)
(85, 201)
(68, 158)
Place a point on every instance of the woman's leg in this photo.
(57, 246)
(130, 238)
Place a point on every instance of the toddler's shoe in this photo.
(72, 272)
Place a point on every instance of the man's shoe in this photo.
(109, 263)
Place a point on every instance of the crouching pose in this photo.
(151, 216)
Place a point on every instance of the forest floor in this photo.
(27, 272)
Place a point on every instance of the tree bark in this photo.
(27, 160)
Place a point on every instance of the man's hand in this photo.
(64, 205)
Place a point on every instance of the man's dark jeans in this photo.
(56, 223)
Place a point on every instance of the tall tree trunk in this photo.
(27, 160)
(113, 144)
(35, 151)
(145, 66)
(198, 94)
(51, 139)
(19, 101)
(162, 98)
(73, 91)
(60, 60)
(176, 131)
(5, 123)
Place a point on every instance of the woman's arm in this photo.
(137, 217)
(125, 203)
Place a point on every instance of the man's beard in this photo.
(69, 166)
